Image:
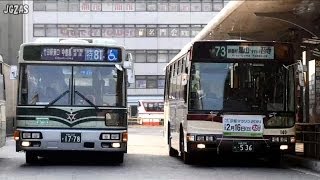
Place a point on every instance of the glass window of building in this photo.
(74, 5)
(185, 6)
(129, 6)
(141, 56)
(195, 6)
(118, 6)
(140, 30)
(141, 6)
(152, 56)
(217, 5)
(63, 5)
(152, 6)
(107, 31)
(172, 54)
(38, 31)
(51, 30)
(96, 30)
(152, 82)
(151, 30)
(185, 31)
(141, 82)
(96, 5)
(195, 29)
(173, 7)
(163, 31)
(161, 80)
(163, 6)
(130, 31)
(84, 31)
(173, 30)
(51, 5)
(118, 31)
(73, 31)
(163, 56)
(62, 30)
(107, 5)
(206, 5)
(39, 5)
(85, 6)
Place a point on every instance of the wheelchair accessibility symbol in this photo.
(113, 55)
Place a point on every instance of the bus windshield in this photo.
(245, 87)
(42, 84)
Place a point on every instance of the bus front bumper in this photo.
(241, 146)
(71, 140)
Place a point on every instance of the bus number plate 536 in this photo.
(241, 146)
(71, 137)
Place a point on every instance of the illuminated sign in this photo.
(72, 53)
(249, 52)
(241, 51)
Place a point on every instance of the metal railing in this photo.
(308, 137)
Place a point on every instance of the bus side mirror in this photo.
(1, 59)
(128, 63)
(130, 76)
(301, 73)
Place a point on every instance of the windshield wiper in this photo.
(87, 100)
(56, 99)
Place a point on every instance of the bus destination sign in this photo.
(242, 52)
(79, 54)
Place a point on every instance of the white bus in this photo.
(72, 98)
(2, 106)
(231, 97)
(150, 112)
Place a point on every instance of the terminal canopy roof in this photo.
(295, 21)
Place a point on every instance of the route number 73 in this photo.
(220, 51)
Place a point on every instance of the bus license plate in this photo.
(71, 137)
(243, 146)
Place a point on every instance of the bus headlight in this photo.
(275, 139)
(35, 135)
(283, 139)
(200, 138)
(210, 138)
(105, 136)
(190, 138)
(31, 135)
(26, 135)
(115, 136)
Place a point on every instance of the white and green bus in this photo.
(72, 97)
(231, 97)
